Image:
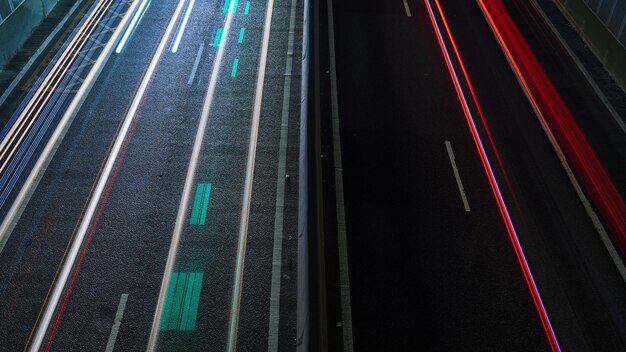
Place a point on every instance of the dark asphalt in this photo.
(425, 274)
(129, 247)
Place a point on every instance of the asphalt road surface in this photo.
(167, 217)
(115, 282)
(426, 273)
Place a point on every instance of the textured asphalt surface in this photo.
(424, 273)
(128, 251)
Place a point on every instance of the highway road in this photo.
(166, 219)
(431, 264)
(149, 181)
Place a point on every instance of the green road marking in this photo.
(194, 302)
(200, 204)
(182, 301)
(218, 37)
(247, 7)
(226, 5)
(167, 310)
(179, 293)
(233, 73)
(230, 6)
(241, 32)
(185, 316)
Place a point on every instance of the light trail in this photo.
(86, 222)
(27, 117)
(562, 130)
(534, 291)
(277, 253)
(247, 192)
(189, 184)
(183, 25)
(131, 27)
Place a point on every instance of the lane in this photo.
(417, 258)
(126, 249)
(575, 273)
(33, 254)
(455, 275)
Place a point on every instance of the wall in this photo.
(19, 19)
(602, 24)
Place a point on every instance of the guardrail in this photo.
(311, 329)
(602, 24)
(303, 325)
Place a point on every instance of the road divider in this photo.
(230, 6)
(188, 187)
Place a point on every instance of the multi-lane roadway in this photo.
(429, 109)
(165, 217)
(150, 169)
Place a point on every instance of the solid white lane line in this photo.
(131, 27)
(406, 8)
(247, 193)
(183, 25)
(342, 238)
(116, 323)
(195, 64)
(189, 184)
(272, 339)
(457, 176)
(85, 223)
